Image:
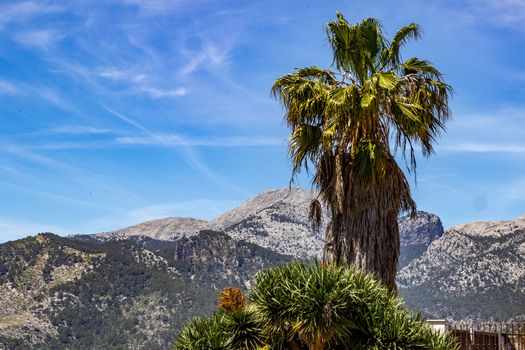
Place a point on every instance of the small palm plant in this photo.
(204, 333)
(322, 306)
(233, 327)
(313, 306)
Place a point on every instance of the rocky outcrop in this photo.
(171, 228)
(474, 271)
(416, 234)
(420, 230)
(277, 220)
(60, 293)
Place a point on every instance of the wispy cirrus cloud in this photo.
(156, 93)
(42, 39)
(484, 147)
(73, 130)
(496, 131)
(24, 10)
(11, 229)
(210, 56)
(201, 208)
(502, 12)
(173, 140)
(162, 7)
(186, 150)
(121, 75)
(8, 88)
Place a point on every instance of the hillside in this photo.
(129, 290)
(474, 271)
(277, 220)
(59, 293)
(171, 228)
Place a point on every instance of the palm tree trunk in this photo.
(364, 229)
(369, 241)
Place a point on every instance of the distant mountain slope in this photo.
(59, 293)
(474, 271)
(278, 220)
(416, 234)
(171, 228)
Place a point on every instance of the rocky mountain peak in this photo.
(474, 264)
(491, 228)
(422, 229)
(292, 196)
(171, 228)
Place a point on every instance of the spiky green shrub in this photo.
(314, 306)
(245, 329)
(233, 330)
(204, 333)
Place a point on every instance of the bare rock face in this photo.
(422, 229)
(278, 220)
(171, 228)
(416, 234)
(474, 271)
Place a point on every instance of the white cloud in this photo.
(53, 196)
(173, 140)
(497, 131)
(139, 83)
(42, 39)
(25, 10)
(210, 56)
(203, 208)
(161, 7)
(160, 93)
(73, 130)
(187, 152)
(479, 147)
(7, 88)
(120, 74)
(503, 13)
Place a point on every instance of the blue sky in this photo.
(116, 112)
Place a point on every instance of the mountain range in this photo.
(133, 288)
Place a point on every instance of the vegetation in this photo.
(232, 299)
(314, 307)
(345, 123)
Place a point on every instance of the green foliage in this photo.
(346, 124)
(122, 300)
(205, 333)
(315, 306)
(234, 330)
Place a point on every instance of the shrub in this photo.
(231, 299)
(312, 306)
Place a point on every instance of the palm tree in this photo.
(347, 123)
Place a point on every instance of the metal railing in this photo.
(485, 336)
